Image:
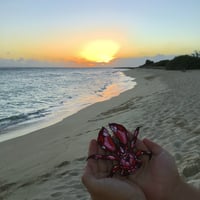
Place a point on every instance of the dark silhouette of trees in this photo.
(184, 62)
(148, 62)
(196, 54)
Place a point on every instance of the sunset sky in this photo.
(89, 32)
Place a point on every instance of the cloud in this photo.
(21, 62)
(119, 62)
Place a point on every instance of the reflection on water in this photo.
(111, 91)
(44, 96)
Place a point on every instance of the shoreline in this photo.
(62, 112)
(57, 154)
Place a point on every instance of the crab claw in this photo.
(105, 140)
(120, 132)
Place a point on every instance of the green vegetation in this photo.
(182, 62)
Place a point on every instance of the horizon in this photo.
(96, 33)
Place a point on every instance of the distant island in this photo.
(182, 62)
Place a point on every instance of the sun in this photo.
(100, 51)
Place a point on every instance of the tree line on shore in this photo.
(182, 62)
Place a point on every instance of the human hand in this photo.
(159, 177)
(101, 187)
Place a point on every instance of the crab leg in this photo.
(141, 153)
(134, 139)
(114, 170)
(102, 157)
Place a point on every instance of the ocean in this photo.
(43, 96)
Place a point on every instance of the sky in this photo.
(76, 33)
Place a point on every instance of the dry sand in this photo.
(48, 164)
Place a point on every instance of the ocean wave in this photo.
(30, 95)
(21, 118)
(101, 89)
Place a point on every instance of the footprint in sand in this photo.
(57, 194)
(192, 168)
(64, 163)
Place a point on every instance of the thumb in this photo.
(152, 146)
(91, 167)
(88, 178)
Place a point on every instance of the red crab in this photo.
(121, 149)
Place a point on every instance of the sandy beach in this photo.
(48, 164)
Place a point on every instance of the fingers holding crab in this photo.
(144, 151)
(91, 169)
(93, 149)
(123, 149)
